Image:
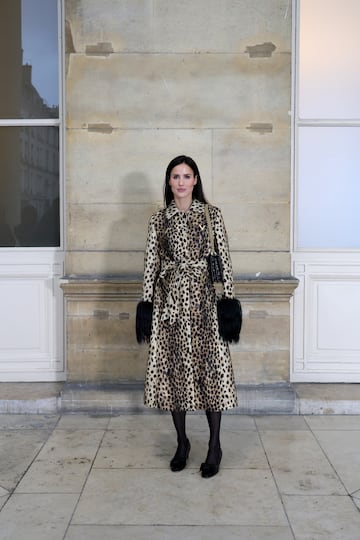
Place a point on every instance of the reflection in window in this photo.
(29, 184)
(30, 216)
(29, 59)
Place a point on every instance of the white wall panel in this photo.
(326, 337)
(31, 317)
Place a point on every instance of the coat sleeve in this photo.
(222, 243)
(151, 262)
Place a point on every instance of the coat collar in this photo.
(172, 209)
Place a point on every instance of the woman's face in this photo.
(182, 181)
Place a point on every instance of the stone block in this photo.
(258, 367)
(106, 365)
(104, 227)
(128, 166)
(258, 226)
(255, 264)
(128, 263)
(206, 25)
(136, 91)
(250, 166)
(252, 264)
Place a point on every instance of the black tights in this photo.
(214, 421)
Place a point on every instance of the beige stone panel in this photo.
(102, 309)
(259, 367)
(177, 90)
(108, 226)
(125, 263)
(131, 263)
(257, 264)
(106, 365)
(128, 166)
(124, 226)
(96, 333)
(250, 367)
(207, 25)
(264, 333)
(249, 166)
(257, 226)
(262, 309)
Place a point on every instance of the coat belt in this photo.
(180, 275)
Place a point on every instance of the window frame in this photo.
(296, 123)
(50, 122)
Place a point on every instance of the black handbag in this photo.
(214, 260)
(229, 310)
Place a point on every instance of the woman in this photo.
(189, 366)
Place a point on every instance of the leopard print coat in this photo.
(189, 365)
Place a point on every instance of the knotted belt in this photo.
(180, 275)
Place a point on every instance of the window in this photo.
(29, 123)
(327, 126)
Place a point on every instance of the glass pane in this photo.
(328, 188)
(329, 75)
(29, 186)
(29, 59)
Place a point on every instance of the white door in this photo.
(326, 240)
(31, 146)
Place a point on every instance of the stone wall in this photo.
(147, 80)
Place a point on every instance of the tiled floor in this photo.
(79, 477)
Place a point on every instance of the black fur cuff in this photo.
(143, 321)
(229, 318)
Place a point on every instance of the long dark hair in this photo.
(197, 193)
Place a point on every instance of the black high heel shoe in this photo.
(210, 469)
(178, 462)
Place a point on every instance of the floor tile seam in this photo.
(27, 492)
(208, 524)
(318, 495)
(329, 461)
(84, 484)
(181, 526)
(13, 492)
(72, 515)
(276, 485)
(24, 430)
(188, 468)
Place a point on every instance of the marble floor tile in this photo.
(155, 532)
(154, 449)
(158, 497)
(17, 451)
(299, 465)
(83, 421)
(281, 422)
(156, 421)
(323, 518)
(237, 422)
(334, 422)
(63, 464)
(163, 421)
(343, 451)
(28, 421)
(36, 517)
(135, 449)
